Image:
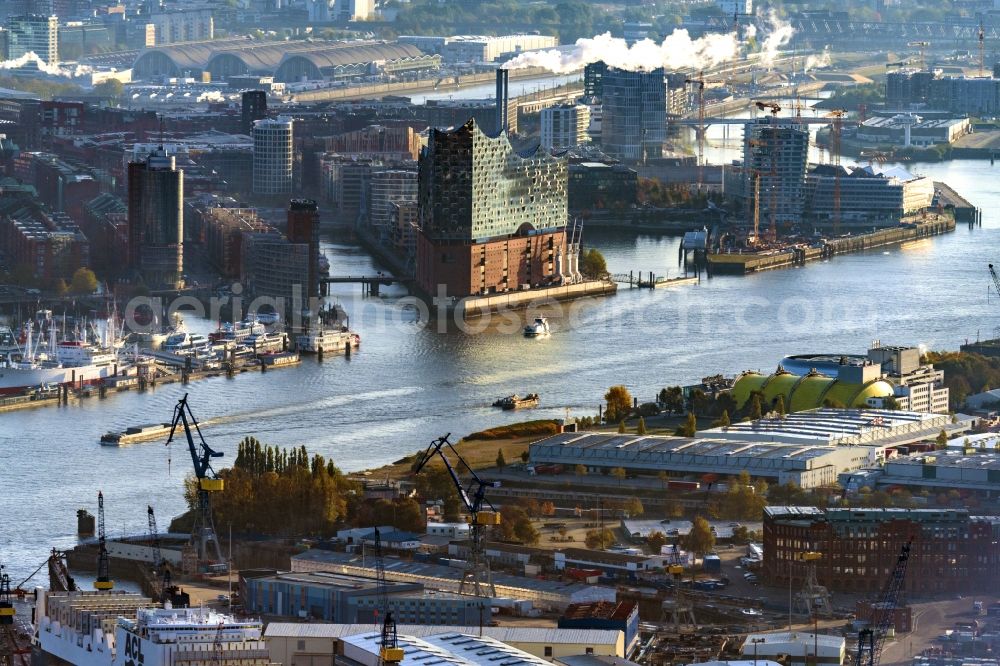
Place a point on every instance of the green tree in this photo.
(641, 428)
(941, 441)
(672, 399)
(84, 281)
(700, 539)
(515, 523)
(619, 402)
(656, 541)
(599, 539)
(592, 264)
(755, 407)
(741, 534)
(689, 427)
(111, 89)
(723, 420)
(621, 427)
(619, 473)
(501, 461)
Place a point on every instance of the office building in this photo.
(253, 107)
(634, 114)
(303, 228)
(868, 197)
(483, 48)
(274, 267)
(960, 94)
(51, 244)
(739, 8)
(598, 185)
(951, 551)
(492, 220)
(593, 79)
(776, 155)
(33, 33)
(388, 143)
(156, 220)
(354, 10)
(565, 126)
(388, 187)
(273, 156)
(188, 24)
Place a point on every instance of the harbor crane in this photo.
(203, 535)
(996, 278)
(482, 515)
(872, 638)
(11, 652)
(103, 581)
(389, 652)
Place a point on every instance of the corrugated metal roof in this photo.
(547, 635)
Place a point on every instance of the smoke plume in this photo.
(211, 96)
(677, 51)
(780, 34)
(53, 70)
(814, 61)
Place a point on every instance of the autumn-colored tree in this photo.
(656, 541)
(641, 428)
(689, 427)
(619, 402)
(700, 539)
(84, 281)
(580, 470)
(619, 473)
(599, 539)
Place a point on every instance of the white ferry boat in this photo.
(239, 331)
(327, 340)
(124, 629)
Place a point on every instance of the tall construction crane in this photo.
(103, 581)
(482, 515)
(836, 129)
(872, 637)
(982, 47)
(389, 651)
(923, 47)
(206, 542)
(700, 137)
(755, 176)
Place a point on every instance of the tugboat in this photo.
(538, 329)
(517, 402)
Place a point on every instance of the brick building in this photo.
(49, 243)
(951, 551)
(492, 220)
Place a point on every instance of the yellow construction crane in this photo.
(835, 132)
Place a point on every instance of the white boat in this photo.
(268, 318)
(239, 331)
(184, 341)
(124, 629)
(265, 343)
(69, 362)
(537, 329)
(327, 340)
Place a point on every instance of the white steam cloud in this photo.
(677, 51)
(211, 96)
(821, 60)
(54, 70)
(780, 34)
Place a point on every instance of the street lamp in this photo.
(756, 642)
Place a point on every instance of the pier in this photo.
(798, 255)
(652, 281)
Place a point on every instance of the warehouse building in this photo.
(917, 130)
(805, 464)
(353, 599)
(444, 648)
(800, 648)
(951, 551)
(543, 593)
(295, 643)
(622, 616)
(839, 427)
(285, 61)
(479, 48)
(978, 473)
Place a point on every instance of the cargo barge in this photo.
(135, 434)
